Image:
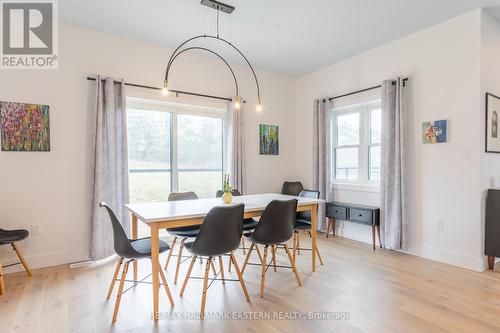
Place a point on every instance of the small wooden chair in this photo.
(11, 237)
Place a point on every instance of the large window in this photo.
(173, 148)
(356, 132)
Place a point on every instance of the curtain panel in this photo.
(322, 154)
(234, 147)
(393, 198)
(109, 163)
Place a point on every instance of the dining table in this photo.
(172, 214)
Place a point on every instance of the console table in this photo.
(354, 213)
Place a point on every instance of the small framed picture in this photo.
(269, 140)
(492, 132)
(435, 131)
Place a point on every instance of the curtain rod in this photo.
(177, 92)
(363, 90)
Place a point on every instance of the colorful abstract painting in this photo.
(24, 127)
(434, 131)
(269, 140)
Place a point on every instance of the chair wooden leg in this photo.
(373, 237)
(120, 291)
(229, 265)
(213, 267)
(240, 277)
(170, 252)
(187, 276)
(319, 255)
(248, 257)
(243, 244)
(294, 250)
(2, 284)
(298, 244)
(205, 287)
(297, 276)
(378, 232)
(263, 272)
(221, 270)
(179, 259)
(273, 248)
(115, 275)
(165, 285)
(258, 252)
(328, 226)
(23, 261)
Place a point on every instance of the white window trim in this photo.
(363, 183)
(175, 109)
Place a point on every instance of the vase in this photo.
(227, 197)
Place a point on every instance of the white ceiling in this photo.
(287, 36)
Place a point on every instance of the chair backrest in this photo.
(221, 231)
(306, 216)
(292, 188)
(234, 192)
(120, 239)
(277, 221)
(177, 196)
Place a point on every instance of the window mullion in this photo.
(174, 160)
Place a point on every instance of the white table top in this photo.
(184, 209)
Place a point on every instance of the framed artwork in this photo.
(24, 127)
(492, 132)
(269, 140)
(435, 131)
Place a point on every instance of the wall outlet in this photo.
(35, 229)
(440, 225)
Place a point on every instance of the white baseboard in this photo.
(45, 260)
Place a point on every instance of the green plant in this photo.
(227, 188)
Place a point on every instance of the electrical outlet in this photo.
(35, 229)
(440, 225)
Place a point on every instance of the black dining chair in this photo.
(129, 250)
(292, 188)
(248, 224)
(10, 237)
(183, 233)
(275, 228)
(219, 235)
(303, 223)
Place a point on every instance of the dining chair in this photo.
(303, 223)
(219, 236)
(275, 228)
(248, 224)
(292, 188)
(183, 233)
(129, 250)
(10, 237)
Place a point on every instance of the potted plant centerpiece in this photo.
(227, 197)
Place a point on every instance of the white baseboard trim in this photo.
(45, 260)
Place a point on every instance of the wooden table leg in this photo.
(491, 262)
(2, 285)
(155, 253)
(379, 240)
(314, 218)
(134, 236)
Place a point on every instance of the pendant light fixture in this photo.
(183, 47)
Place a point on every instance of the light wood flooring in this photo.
(381, 291)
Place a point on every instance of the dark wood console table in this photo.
(354, 213)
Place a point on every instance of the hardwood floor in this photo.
(381, 291)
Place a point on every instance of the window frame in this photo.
(176, 109)
(365, 110)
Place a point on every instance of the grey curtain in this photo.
(109, 163)
(234, 145)
(322, 154)
(393, 166)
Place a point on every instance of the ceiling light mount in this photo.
(219, 6)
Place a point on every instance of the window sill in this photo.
(356, 187)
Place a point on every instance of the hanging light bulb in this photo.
(237, 103)
(259, 106)
(164, 90)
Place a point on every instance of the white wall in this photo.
(52, 189)
(443, 64)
